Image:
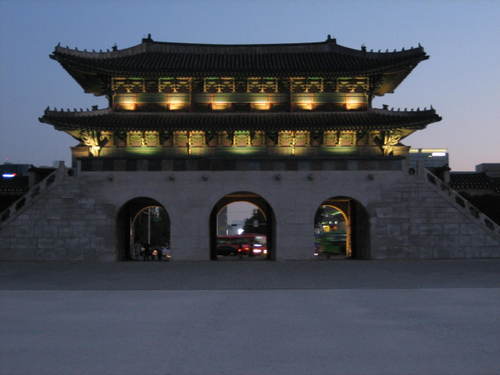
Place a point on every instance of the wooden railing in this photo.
(31, 195)
(462, 203)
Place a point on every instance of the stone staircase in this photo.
(32, 195)
(461, 203)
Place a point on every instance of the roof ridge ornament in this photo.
(330, 39)
(148, 39)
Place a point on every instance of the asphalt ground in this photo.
(324, 317)
(248, 275)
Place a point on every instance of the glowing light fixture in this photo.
(220, 106)
(175, 105)
(352, 103)
(261, 106)
(128, 104)
(9, 175)
(307, 104)
(94, 150)
(438, 154)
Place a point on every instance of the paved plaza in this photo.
(323, 317)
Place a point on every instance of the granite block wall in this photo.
(76, 220)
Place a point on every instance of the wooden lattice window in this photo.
(219, 85)
(262, 84)
(135, 139)
(307, 84)
(241, 138)
(285, 138)
(349, 84)
(151, 138)
(181, 139)
(174, 85)
(301, 138)
(127, 85)
(197, 139)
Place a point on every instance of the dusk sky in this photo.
(461, 79)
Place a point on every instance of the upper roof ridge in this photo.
(149, 45)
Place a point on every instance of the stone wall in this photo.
(413, 221)
(76, 219)
(63, 223)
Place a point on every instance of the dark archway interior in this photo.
(125, 222)
(358, 231)
(254, 199)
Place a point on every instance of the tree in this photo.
(255, 223)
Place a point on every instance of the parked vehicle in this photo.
(242, 245)
(161, 253)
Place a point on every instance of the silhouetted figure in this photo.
(147, 252)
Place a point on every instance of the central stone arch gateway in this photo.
(261, 204)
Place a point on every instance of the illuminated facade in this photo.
(175, 103)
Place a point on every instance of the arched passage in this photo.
(143, 230)
(242, 225)
(341, 229)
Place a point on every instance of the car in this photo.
(161, 253)
(227, 249)
(259, 249)
(242, 245)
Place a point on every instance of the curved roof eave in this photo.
(108, 120)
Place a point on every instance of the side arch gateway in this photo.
(342, 229)
(142, 223)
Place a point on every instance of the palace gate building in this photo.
(290, 128)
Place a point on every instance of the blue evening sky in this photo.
(461, 79)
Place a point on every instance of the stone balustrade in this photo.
(32, 194)
(462, 203)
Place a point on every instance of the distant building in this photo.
(16, 180)
(429, 157)
(481, 188)
(222, 223)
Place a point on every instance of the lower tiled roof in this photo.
(463, 181)
(18, 184)
(350, 120)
